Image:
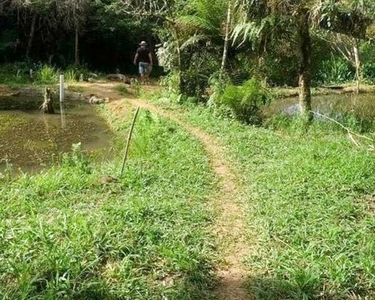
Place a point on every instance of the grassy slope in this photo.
(311, 209)
(63, 234)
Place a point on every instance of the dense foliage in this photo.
(279, 42)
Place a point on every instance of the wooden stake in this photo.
(128, 142)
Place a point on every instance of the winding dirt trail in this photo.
(230, 226)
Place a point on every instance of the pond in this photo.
(31, 140)
(361, 106)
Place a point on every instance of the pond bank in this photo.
(31, 140)
(340, 89)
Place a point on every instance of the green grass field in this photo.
(69, 234)
(74, 233)
(311, 211)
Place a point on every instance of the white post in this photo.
(62, 88)
(63, 115)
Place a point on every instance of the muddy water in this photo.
(30, 140)
(362, 106)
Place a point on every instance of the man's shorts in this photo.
(143, 68)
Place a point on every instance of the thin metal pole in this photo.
(129, 139)
(62, 88)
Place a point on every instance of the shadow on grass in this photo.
(300, 288)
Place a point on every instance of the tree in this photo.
(209, 21)
(36, 10)
(295, 14)
(73, 15)
(348, 22)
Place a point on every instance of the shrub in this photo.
(47, 75)
(335, 70)
(171, 82)
(201, 63)
(368, 71)
(244, 102)
(73, 73)
(16, 73)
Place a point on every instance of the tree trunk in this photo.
(31, 37)
(227, 38)
(76, 52)
(305, 66)
(178, 53)
(357, 65)
(47, 106)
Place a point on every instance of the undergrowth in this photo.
(18, 74)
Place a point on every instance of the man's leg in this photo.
(143, 72)
(148, 73)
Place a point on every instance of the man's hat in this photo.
(143, 43)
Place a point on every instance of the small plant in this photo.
(171, 82)
(136, 85)
(76, 73)
(77, 159)
(16, 73)
(244, 101)
(122, 89)
(47, 75)
(71, 76)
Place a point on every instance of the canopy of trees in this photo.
(281, 42)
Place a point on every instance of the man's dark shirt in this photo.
(143, 54)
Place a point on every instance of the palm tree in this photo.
(262, 18)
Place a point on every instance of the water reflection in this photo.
(29, 139)
(63, 114)
(362, 106)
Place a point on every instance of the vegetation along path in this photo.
(230, 225)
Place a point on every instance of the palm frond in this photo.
(195, 39)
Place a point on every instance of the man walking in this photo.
(144, 60)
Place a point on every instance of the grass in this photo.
(311, 213)
(18, 74)
(121, 88)
(72, 232)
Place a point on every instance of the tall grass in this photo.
(74, 232)
(17, 74)
(47, 75)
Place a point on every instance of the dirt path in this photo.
(230, 226)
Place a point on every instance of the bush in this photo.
(201, 63)
(47, 75)
(368, 71)
(171, 82)
(335, 70)
(73, 73)
(16, 73)
(244, 102)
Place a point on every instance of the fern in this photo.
(194, 40)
